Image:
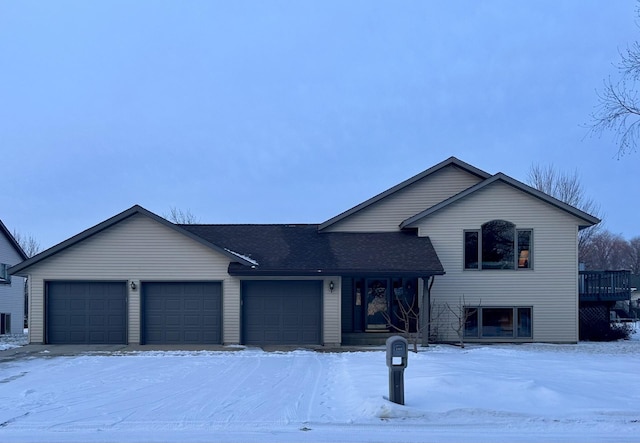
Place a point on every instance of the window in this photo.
(498, 322)
(5, 323)
(471, 250)
(524, 248)
(497, 245)
(4, 273)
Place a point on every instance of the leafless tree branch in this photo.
(181, 217)
(567, 188)
(28, 243)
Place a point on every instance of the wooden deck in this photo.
(604, 285)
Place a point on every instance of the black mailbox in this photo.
(397, 359)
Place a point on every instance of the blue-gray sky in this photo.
(264, 111)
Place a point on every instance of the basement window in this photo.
(498, 322)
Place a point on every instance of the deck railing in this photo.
(604, 285)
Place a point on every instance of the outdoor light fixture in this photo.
(331, 286)
(133, 286)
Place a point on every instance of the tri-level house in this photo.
(12, 304)
(475, 254)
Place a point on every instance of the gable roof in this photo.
(588, 219)
(136, 209)
(448, 162)
(12, 241)
(302, 250)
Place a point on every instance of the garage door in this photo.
(86, 312)
(182, 313)
(287, 312)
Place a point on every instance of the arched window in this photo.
(498, 247)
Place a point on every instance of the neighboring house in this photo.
(11, 287)
(634, 302)
(452, 235)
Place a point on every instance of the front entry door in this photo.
(377, 317)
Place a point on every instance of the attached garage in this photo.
(282, 312)
(181, 312)
(86, 312)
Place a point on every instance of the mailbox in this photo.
(397, 352)
(397, 359)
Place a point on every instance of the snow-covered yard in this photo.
(586, 392)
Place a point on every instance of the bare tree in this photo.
(181, 217)
(607, 251)
(461, 313)
(406, 318)
(568, 189)
(437, 312)
(634, 258)
(618, 108)
(28, 243)
(30, 246)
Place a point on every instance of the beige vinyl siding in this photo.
(331, 312)
(231, 310)
(387, 214)
(550, 287)
(136, 249)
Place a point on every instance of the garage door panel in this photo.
(97, 305)
(172, 303)
(193, 304)
(97, 337)
(182, 312)
(86, 312)
(74, 304)
(98, 320)
(210, 305)
(77, 337)
(281, 312)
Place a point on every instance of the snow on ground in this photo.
(12, 341)
(582, 393)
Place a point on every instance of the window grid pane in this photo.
(471, 250)
(471, 323)
(524, 322)
(498, 245)
(497, 322)
(524, 249)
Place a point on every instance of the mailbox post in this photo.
(397, 356)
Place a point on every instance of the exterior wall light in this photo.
(133, 286)
(331, 286)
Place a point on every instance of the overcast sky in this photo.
(294, 111)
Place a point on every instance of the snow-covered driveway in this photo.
(588, 392)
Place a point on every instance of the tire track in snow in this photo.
(286, 383)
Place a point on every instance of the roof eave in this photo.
(448, 162)
(136, 209)
(588, 218)
(256, 271)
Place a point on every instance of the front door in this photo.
(377, 314)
